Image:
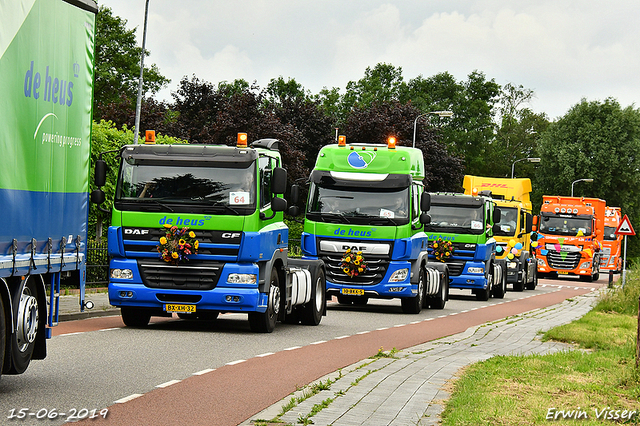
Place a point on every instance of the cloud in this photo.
(564, 51)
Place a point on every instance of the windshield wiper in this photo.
(335, 216)
(149, 200)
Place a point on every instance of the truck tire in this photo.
(501, 289)
(134, 317)
(440, 299)
(312, 311)
(265, 322)
(534, 281)
(483, 294)
(519, 285)
(27, 322)
(413, 305)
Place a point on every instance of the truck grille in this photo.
(189, 276)
(142, 242)
(455, 267)
(373, 275)
(377, 263)
(570, 261)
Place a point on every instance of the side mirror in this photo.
(97, 196)
(425, 202)
(279, 181)
(295, 194)
(100, 175)
(496, 215)
(425, 218)
(278, 204)
(294, 211)
(529, 225)
(495, 229)
(534, 227)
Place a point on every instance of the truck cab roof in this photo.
(371, 159)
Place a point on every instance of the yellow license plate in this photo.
(179, 308)
(563, 273)
(353, 291)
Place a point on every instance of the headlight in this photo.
(242, 279)
(399, 275)
(541, 262)
(585, 265)
(125, 274)
(512, 265)
(475, 270)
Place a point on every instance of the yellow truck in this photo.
(513, 232)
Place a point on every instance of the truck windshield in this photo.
(508, 222)
(456, 219)
(231, 187)
(566, 225)
(610, 233)
(358, 205)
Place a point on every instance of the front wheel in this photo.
(413, 305)
(265, 322)
(312, 313)
(27, 325)
(134, 317)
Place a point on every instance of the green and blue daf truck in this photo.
(198, 230)
(467, 223)
(364, 218)
(46, 96)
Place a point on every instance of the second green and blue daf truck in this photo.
(364, 218)
(467, 223)
(198, 230)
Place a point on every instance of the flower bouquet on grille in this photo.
(442, 249)
(353, 263)
(177, 244)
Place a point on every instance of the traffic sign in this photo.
(625, 227)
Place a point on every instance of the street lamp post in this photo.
(139, 99)
(438, 113)
(579, 180)
(529, 159)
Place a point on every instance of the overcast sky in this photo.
(563, 50)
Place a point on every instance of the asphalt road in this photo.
(220, 372)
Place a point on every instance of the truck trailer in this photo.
(46, 87)
(197, 230)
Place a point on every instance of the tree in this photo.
(443, 171)
(117, 65)
(517, 134)
(597, 140)
(292, 106)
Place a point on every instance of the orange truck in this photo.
(570, 236)
(611, 259)
(512, 197)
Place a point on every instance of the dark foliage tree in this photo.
(443, 172)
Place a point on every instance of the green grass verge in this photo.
(589, 386)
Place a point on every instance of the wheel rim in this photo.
(27, 324)
(319, 295)
(274, 299)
